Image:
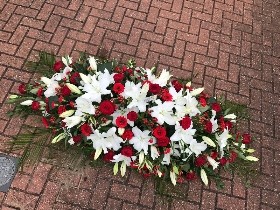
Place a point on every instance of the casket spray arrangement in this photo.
(133, 117)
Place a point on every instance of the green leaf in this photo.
(185, 167)
(103, 66)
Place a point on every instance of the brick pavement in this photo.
(229, 46)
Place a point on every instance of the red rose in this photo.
(65, 91)
(45, 122)
(127, 135)
(163, 142)
(121, 122)
(74, 77)
(186, 122)
(127, 151)
(246, 138)
(232, 157)
(108, 156)
(61, 109)
(200, 161)
(72, 104)
(208, 127)
(214, 154)
(154, 88)
(177, 85)
(166, 96)
(190, 175)
(159, 132)
(216, 107)
(132, 115)
(58, 66)
(22, 88)
(223, 161)
(118, 88)
(40, 92)
(118, 77)
(107, 107)
(228, 124)
(35, 105)
(202, 101)
(77, 138)
(86, 129)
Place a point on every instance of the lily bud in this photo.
(67, 113)
(92, 63)
(196, 91)
(73, 88)
(58, 138)
(26, 103)
(204, 177)
(252, 158)
(208, 141)
(85, 78)
(46, 80)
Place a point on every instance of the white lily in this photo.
(67, 60)
(164, 112)
(84, 106)
(139, 99)
(212, 162)
(161, 80)
(189, 107)
(26, 103)
(141, 140)
(92, 63)
(72, 121)
(86, 79)
(181, 134)
(196, 147)
(154, 152)
(222, 140)
(120, 158)
(67, 113)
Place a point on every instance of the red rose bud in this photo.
(61, 109)
(22, 89)
(127, 151)
(163, 142)
(108, 156)
(246, 138)
(40, 92)
(127, 135)
(118, 77)
(232, 157)
(45, 122)
(58, 66)
(216, 107)
(208, 127)
(72, 104)
(214, 154)
(186, 122)
(200, 161)
(35, 105)
(107, 107)
(159, 132)
(177, 85)
(166, 96)
(202, 101)
(65, 91)
(86, 129)
(74, 77)
(118, 88)
(121, 122)
(190, 176)
(77, 138)
(223, 161)
(154, 88)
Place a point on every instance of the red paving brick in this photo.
(229, 46)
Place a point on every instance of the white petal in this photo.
(196, 91)
(26, 103)
(46, 80)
